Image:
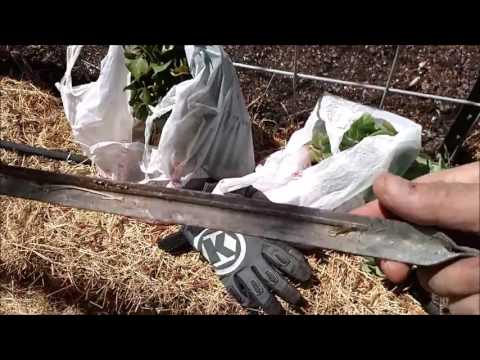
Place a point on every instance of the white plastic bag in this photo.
(207, 134)
(339, 182)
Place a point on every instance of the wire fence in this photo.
(385, 88)
(452, 141)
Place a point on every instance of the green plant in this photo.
(363, 127)
(319, 147)
(424, 165)
(360, 129)
(369, 266)
(154, 70)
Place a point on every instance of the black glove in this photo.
(252, 269)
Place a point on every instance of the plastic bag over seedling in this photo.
(333, 160)
(198, 128)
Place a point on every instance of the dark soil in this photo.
(44, 65)
(447, 70)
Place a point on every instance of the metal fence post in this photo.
(294, 108)
(465, 120)
(389, 79)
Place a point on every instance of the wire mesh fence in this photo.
(386, 89)
(452, 138)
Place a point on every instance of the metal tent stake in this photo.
(301, 226)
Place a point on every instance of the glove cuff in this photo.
(173, 242)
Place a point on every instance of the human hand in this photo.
(450, 200)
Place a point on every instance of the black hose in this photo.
(51, 154)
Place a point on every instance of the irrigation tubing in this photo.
(50, 154)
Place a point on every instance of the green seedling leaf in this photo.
(389, 128)
(416, 170)
(138, 67)
(130, 55)
(141, 111)
(130, 52)
(360, 129)
(145, 97)
(133, 85)
(363, 127)
(424, 165)
(369, 266)
(157, 68)
(319, 147)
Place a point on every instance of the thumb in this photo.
(448, 205)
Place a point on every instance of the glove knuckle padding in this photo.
(287, 262)
(277, 283)
(296, 254)
(236, 291)
(258, 291)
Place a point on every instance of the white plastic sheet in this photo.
(340, 181)
(207, 134)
